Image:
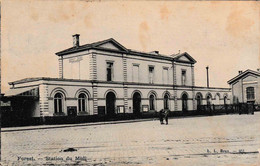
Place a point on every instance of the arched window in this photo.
(184, 99)
(199, 100)
(208, 99)
(225, 100)
(152, 102)
(250, 93)
(166, 101)
(58, 103)
(82, 102)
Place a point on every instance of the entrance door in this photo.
(136, 103)
(110, 103)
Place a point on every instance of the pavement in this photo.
(214, 140)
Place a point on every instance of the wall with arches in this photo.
(70, 96)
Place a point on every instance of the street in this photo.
(214, 140)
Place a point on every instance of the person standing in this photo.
(161, 115)
(166, 114)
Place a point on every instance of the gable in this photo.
(250, 78)
(184, 58)
(109, 45)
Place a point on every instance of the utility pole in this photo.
(207, 76)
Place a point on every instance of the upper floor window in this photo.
(151, 74)
(165, 75)
(183, 77)
(135, 72)
(110, 71)
(250, 93)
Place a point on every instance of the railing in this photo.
(228, 108)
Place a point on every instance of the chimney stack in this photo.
(76, 40)
(240, 71)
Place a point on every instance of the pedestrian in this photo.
(166, 114)
(161, 115)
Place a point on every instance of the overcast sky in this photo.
(223, 35)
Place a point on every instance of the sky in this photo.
(223, 35)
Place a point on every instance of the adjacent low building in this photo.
(246, 87)
(106, 78)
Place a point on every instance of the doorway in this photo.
(136, 103)
(110, 103)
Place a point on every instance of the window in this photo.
(82, 102)
(151, 74)
(250, 93)
(183, 77)
(58, 103)
(208, 100)
(152, 102)
(165, 76)
(135, 73)
(109, 71)
(166, 101)
(184, 99)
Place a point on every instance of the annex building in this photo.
(245, 87)
(106, 78)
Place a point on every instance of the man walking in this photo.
(166, 114)
(161, 115)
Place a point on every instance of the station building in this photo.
(105, 78)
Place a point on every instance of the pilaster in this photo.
(125, 68)
(95, 100)
(43, 100)
(93, 66)
(61, 67)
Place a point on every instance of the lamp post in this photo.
(207, 68)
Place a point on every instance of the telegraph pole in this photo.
(207, 68)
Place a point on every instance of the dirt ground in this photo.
(215, 140)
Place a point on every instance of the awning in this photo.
(18, 91)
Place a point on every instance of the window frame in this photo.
(111, 70)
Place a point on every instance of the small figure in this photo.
(166, 114)
(161, 114)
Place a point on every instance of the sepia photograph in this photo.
(104, 83)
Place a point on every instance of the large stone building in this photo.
(246, 87)
(106, 78)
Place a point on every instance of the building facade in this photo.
(106, 78)
(245, 87)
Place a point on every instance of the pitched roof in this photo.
(177, 57)
(91, 45)
(122, 49)
(248, 71)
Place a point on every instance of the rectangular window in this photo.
(165, 75)
(135, 73)
(109, 71)
(151, 74)
(183, 77)
(250, 93)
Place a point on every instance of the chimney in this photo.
(76, 40)
(240, 71)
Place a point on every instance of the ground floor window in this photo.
(58, 103)
(152, 102)
(199, 100)
(208, 100)
(82, 102)
(184, 102)
(250, 93)
(166, 101)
